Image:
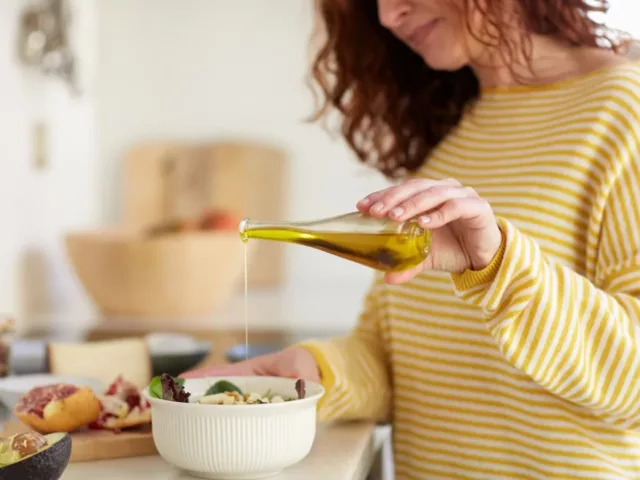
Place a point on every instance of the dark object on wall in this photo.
(43, 40)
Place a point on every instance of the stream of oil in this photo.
(246, 304)
(246, 308)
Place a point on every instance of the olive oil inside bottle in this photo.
(377, 244)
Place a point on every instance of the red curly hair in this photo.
(382, 89)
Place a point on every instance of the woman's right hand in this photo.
(292, 362)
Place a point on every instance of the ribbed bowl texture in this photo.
(236, 442)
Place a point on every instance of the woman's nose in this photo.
(392, 13)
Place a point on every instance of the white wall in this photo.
(38, 206)
(207, 68)
(623, 15)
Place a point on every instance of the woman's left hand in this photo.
(465, 233)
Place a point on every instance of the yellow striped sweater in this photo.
(529, 369)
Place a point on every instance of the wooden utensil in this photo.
(164, 181)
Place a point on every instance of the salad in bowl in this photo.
(223, 392)
(233, 427)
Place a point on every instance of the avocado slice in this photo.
(48, 462)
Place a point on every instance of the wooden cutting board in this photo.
(90, 445)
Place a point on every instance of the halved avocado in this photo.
(49, 462)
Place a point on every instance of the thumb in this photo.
(294, 362)
(396, 278)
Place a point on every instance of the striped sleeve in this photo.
(577, 337)
(354, 369)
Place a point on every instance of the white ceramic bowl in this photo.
(13, 387)
(236, 442)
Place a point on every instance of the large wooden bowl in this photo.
(172, 276)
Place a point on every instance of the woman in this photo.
(514, 350)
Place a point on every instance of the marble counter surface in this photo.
(340, 452)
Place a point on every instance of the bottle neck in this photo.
(242, 230)
(249, 229)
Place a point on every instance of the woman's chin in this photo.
(444, 59)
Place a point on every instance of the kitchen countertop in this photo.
(347, 451)
(341, 451)
(308, 307)
(277, 315)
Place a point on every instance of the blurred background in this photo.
(151, 74)
(118, 116)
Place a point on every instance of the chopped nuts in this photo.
(234, 398)
(254, 398)
(215, 399)
(224, 392)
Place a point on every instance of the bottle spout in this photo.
(242, 230)
(251, 229)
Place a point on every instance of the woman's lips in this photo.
(419, 36)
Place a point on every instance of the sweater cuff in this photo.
(472, 278)
(327, 378)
